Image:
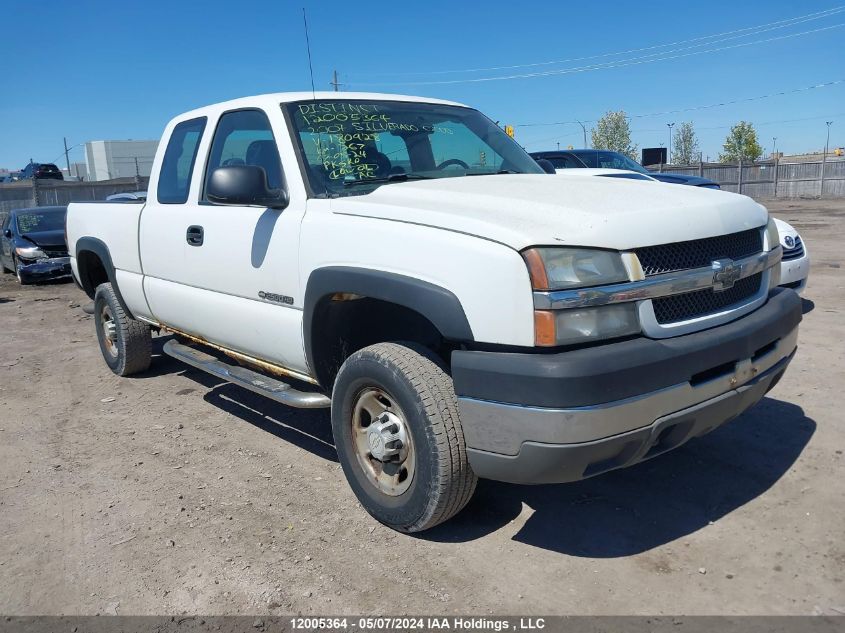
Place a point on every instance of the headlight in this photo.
(772, 236)
(556, 268)
(30, 252)
(568, 327)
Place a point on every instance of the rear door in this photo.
(227, 274)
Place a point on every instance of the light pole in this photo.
(584, 130)
(669, 157)
(827, 142)
(824, 156)
(774, 146)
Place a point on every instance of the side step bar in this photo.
(246, 378)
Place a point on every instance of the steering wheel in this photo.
(453, 161)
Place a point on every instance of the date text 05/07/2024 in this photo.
(418, 623)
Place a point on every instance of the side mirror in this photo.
(546, 166)
(244, 185)
(8, 233)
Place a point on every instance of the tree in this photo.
(614, 133)
(741, 143)
(685, 145)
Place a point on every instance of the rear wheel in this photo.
(399, 438)
(126, 344)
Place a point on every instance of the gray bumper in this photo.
(541, 463)
(578, 414)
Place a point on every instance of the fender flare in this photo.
(437, 304)
(99, 248)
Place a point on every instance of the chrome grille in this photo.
(667, 258)
(795, 252)
(691, 305)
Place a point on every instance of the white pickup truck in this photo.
(464, 314)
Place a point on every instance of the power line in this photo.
(701, 107)
(746, 32)
(634, 61)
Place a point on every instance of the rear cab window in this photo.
(174, 180)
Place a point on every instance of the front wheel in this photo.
(16, 265)
(399, 437)
(126, 344)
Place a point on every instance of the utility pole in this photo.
(824, 156)
(558, 146)
(67, 159)
(334, 82)
(137, 175)
(584, 130)
(669, 156)
(775, 145)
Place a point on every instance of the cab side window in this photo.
(178, 163)
(244, 137)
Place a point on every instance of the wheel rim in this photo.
(382, 442)
(109, 328)
(17, 266)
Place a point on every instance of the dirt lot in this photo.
(170, 493)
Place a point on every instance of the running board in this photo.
(246, 378)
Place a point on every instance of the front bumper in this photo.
(544, 418)
(794, 272)
(44, 269)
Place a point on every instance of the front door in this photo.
(225, 273)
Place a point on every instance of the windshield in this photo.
(349, 147)
(610, 160)
(37, 221)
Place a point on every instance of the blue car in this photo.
(600, 158)
(33, 246)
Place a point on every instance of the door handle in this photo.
(195, 235)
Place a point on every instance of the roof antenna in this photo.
(308, 47)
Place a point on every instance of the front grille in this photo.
(49, 253)
(667, 258)
(795, 252)
(691, 305)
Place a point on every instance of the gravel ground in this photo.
(169, 493)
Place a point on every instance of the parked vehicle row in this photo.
(403, 262)
(605, 159)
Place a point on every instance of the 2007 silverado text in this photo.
(404, 262)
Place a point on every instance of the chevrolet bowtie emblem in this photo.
(725, 274)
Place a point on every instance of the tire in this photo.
(412, 387)
(126, 344)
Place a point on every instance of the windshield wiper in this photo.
(492, 173)
(390, 178)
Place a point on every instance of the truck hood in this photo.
(522, 210)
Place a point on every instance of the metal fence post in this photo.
(700, 166)
(739, 176)
(36, 194)
(824, 163)
(777, 168)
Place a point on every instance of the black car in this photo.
(580, 158)
(42, 171)
(32, 244)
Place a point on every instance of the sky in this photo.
(96, 70)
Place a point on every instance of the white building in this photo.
(119, 159)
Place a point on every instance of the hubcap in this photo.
(109, 330)
(382, 442)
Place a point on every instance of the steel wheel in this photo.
(109, 326)
(382, 443)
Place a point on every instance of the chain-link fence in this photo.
(33, 193)
(773, 179)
